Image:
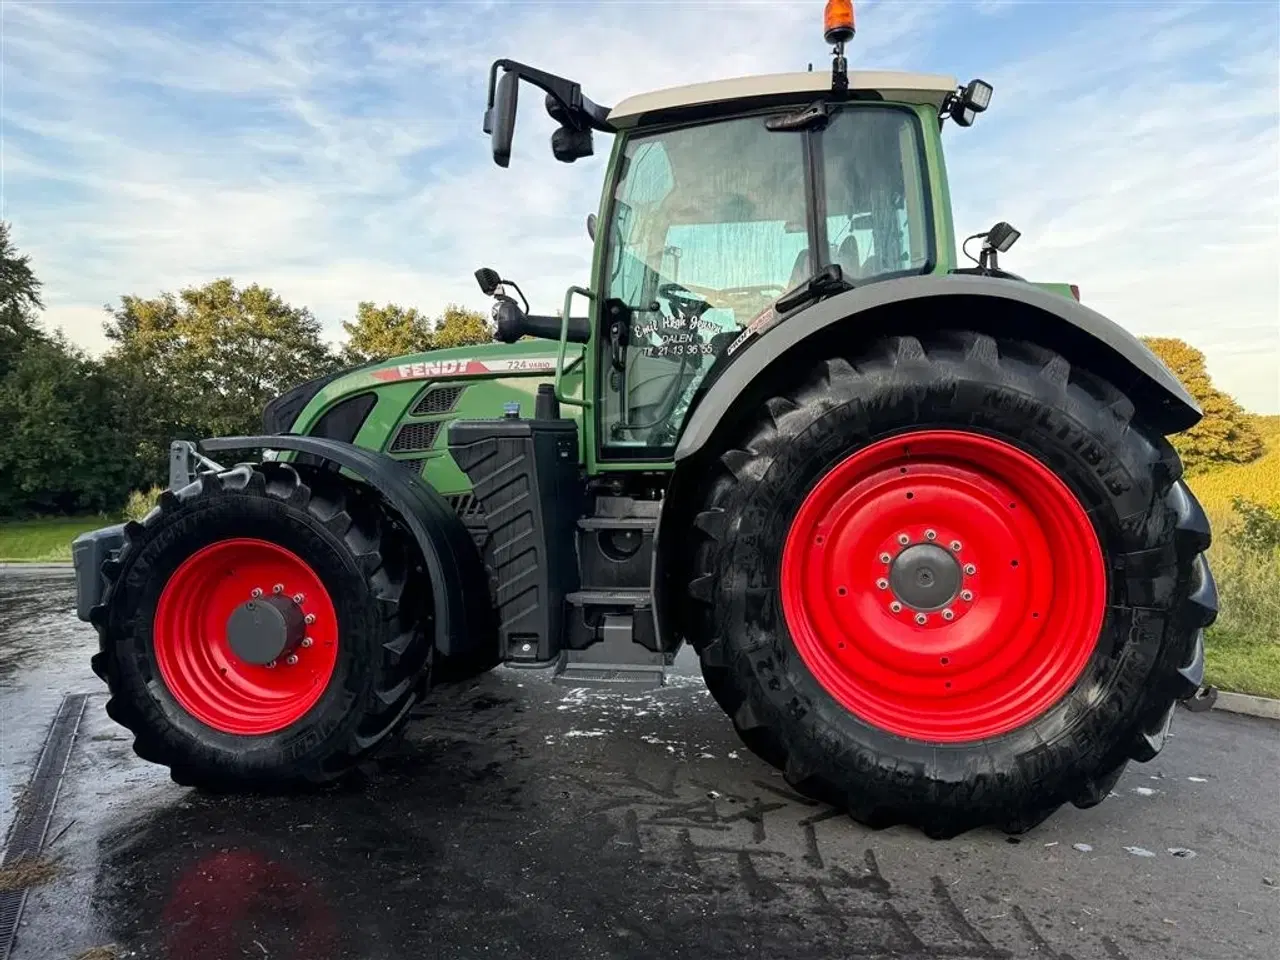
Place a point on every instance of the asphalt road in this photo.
(523, 819)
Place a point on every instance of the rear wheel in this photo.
(262, 629)
(951, 583)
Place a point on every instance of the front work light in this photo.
(964, 105)
(837, 21)
(978, 95)
(1003, 236)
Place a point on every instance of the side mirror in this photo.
(591, 225)
(502, 123)
(489, 280)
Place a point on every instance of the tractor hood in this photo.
(489, 360)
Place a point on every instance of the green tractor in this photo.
(921, 523)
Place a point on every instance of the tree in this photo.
(380, 333)
(19, 301)
(66, 445)
(460, 327)
(213, 356)
(1226, 434)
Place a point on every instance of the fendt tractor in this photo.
(920, 522)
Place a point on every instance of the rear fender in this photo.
(464, 624)
(989, 305)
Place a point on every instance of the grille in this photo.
(35, 812)
(413, 466)
(416, 436)
(438, 400)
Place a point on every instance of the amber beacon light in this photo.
(837, 21)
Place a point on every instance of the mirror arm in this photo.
(583, 111)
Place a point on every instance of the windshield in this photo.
(710, 225)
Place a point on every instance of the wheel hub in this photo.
(264, 630)
(925, 577)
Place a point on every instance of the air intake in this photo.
(438, 400)
(416, 436)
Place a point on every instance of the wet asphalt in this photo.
(518, 818)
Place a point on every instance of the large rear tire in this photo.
(951, 582)
(319, 561)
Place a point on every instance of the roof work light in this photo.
(837, 21)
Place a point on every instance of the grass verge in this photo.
(1242, 648)
(44, 541)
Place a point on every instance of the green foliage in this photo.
(1242, 648)
(19, 301)
(460, 327)
(141, 502)
(214, 355)
(1257, 526)
(380, 333)
(66, 439)
(1226, 434)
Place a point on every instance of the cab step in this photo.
(611, 641)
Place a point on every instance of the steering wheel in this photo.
(684, 301)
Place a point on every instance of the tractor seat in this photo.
(849, 258)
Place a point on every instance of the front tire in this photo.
(951, 583)
(343, 590)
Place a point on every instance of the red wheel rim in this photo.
(1029, 586)
(197, 663)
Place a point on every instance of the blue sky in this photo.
(334, 151)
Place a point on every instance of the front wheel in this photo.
(263, 628)
(951, 582)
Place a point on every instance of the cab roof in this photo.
(720, 96)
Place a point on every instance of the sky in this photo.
(334, 152)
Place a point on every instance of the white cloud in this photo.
(335, 153)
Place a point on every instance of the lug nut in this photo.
(882, 584)
(966, 594)
(256, 592)
(970, 569)
(896, 607)
(921, 619)
(271, 665)
(931, 535)
(955, 545)
(309, 619)
(948, 614)
(298, 598)
(885, 558)
(291, 659)
(278, 588)
(903, 539)
(307, 641)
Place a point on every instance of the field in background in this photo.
(44, 541)
(1243, 646)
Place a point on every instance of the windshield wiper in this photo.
(827, 282)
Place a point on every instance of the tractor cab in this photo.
(729, 205)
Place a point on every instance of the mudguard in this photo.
(464, 622)
(988, 304)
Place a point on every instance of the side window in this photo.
(876, 220)
(640, 193)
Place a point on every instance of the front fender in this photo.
(463, 615)
(987, 304)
